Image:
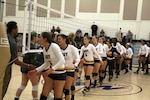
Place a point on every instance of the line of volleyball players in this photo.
(61, 61)
(111, 54)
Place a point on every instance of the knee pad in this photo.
(73, 88)
(93, 74)
(80, 69)
(103, 71)
(57, 98)
(66, 91)
(96, 74)
(22, 87)
(35, 88)
(36, 98)
(42, 97)
(87, 77)
(76, 69)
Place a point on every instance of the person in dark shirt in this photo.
(102, 33)
(94, 29)
(58, 29)
(53, 29)
(111, 58)
(79, 39)
(12, 31)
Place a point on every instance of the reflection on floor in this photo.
(127, 87)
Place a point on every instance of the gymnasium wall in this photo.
(107, 14)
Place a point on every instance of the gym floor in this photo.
(130, 86)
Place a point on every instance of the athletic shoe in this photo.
(126, 71)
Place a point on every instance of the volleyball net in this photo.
(39, 18)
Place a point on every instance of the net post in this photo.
(30, 24)
(1, 10)
(25, 28)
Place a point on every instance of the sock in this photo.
(42, 97)
(95, 81)
(72, 97)
(143, 66)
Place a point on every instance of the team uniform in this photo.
(70, 54)
(119, 59)
(103, 52)
(128, 57)
(102, 70)
(97, 47)
(88, 53)
(123, 53)
(129, 54)
(54, 59)
(149, 55)
(143, 52)
(111, 60)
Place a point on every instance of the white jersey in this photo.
(97, 47)
(88, 54)
(144, 50)
(54, 59)
(149, 50)
(118, 47)
(129, 53)
(124, 49)
(103, 50)
(70, 54)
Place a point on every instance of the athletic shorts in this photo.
(24, 70)
(70, 74)
(89, 64)
(142, 55)
(104, 58)
(58, 76)
(96, 61)
(127, 58)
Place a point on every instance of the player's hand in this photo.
(49, 71)
(74, 61)
(31, 67)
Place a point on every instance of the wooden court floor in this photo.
(127, 87)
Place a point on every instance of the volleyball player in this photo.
(72, 42)
(53, 59)
(72, 60)
(103, 54)
(128, 56)
(31, 58)
(119, 59)
(111, 58)
(123, 56)
(97, 63)
(88, 51)
(143, 55)
(147, 58)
